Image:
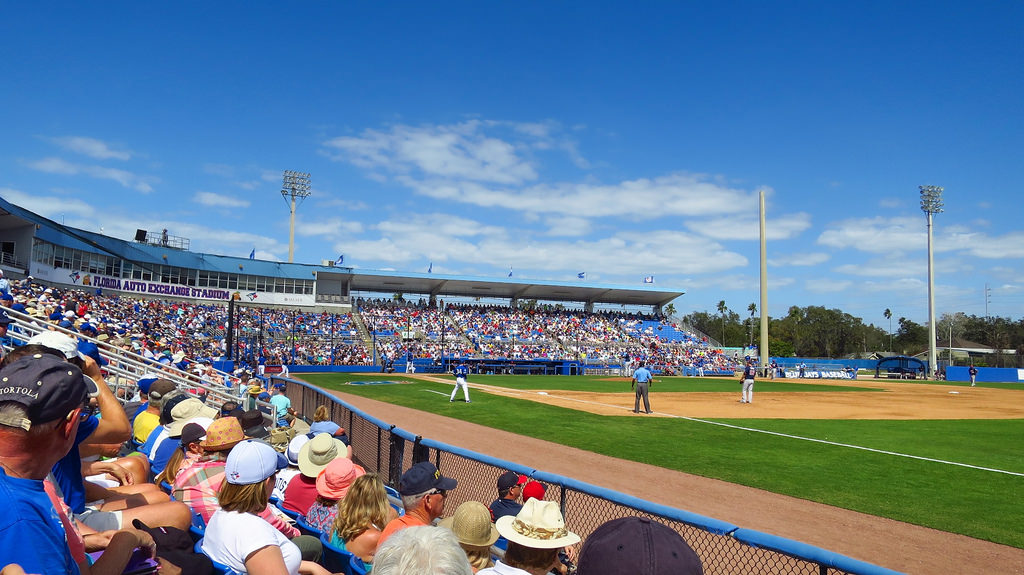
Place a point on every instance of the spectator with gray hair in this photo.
(422, 550)
(424, 491)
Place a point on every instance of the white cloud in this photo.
(825, 285)
(91, 147)
(672, 195)
(799, 259)
(123, 177)
(52, 207)
(219, 200)
(877, 235)
(449, 238)
(745, 228)
(222, 170)
(460, 151)
(568, 226)
(332, 228)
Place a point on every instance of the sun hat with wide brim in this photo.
(318, 453)
(538, 525)
(472, 525)
(185, 411)
(335, 480)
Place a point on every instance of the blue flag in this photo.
(340, 260)
(649, 280)
(509, 271)
(430, 268)
(252, 254)
(582, 275)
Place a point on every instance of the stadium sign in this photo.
(822, 374)
(141, 287)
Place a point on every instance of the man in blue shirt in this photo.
(641, 380)
(36, 431)
(282, 405)
(461, 378)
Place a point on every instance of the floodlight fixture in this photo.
(931, 203)
(294, 189)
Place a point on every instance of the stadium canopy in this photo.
(16, 222)
(507, 288)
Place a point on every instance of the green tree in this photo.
(911, 337)
(752, 308)
(722, 309)
(888, 315)
(669, 310)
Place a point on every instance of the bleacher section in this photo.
(376, 332)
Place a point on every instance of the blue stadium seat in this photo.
(334, 559)
(291, 514)
(306, 528)
(358, 567)
(198, 526)
(218, 568)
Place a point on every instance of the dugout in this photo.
(901, 367)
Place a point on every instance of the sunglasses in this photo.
(441, 492)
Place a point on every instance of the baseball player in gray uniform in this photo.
(641, 380)
(749, 371)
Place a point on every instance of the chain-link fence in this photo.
(724, 549)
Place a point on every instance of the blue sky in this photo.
(618, 139)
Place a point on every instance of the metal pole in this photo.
(931, 302)
(762, 350)
(291, 233)
(931, 203)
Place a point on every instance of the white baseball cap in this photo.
(252, 461)
(58, 341)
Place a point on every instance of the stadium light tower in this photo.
(295, 187)
(931, 203)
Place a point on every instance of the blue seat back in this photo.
(358, 567)
(197, 529)
(291, 514)
(218, 568)
(334, 559)
(306, 528)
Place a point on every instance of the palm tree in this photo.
(888, 315)
(721, 311)
(752, 308)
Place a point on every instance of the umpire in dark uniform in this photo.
(641, 380)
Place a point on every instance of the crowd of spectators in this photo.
(375, 332)
(81, 469)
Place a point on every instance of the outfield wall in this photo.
(986, 374)
(724, 548)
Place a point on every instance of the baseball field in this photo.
(940, 455)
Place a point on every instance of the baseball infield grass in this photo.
(969, 501)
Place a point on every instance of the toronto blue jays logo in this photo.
(74, 276)
(251, 295)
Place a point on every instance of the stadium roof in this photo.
(371, 281)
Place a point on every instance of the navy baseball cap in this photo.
(636, 546)
(48, 387)
(423, 477)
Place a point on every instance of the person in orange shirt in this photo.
(423, 490)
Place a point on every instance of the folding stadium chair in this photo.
(291, 514)
(306, 528)
(336, 560)
(218, 568)
(358, 567)
(197, 529)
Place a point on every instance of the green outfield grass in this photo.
(972, 502)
